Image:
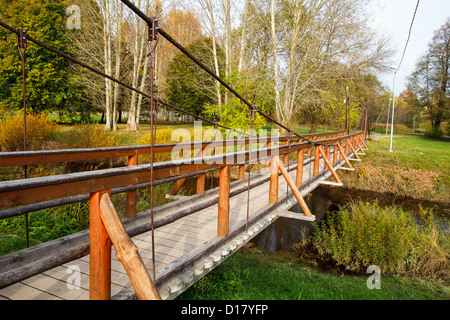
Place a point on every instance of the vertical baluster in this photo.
(100, 252)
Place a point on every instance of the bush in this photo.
(39, 129)
(168, 135)
(162, 136)
(87, 136)
(433, 133)
(365, 234)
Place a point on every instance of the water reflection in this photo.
(284, 232)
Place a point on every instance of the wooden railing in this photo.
(106, 228)
(9, 159)
(99, 185)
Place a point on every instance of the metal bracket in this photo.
(153, 35)
(22, 39)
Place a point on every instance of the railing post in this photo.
(354, 151)
(224, 202)
(269, 144)
(127, 252)
(130, 211)
(201, 179)
(316, 161)
(273, 190)
(242, 167)
(335, 154)
(299, 176)
(100, 252)
(329, 165)
(294, 190)
(286, 156)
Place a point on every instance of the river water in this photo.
(284, 232)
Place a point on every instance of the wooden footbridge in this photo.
(134, 258)
(159, 253)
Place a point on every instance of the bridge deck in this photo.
(185, 250)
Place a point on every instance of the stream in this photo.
(284, 232)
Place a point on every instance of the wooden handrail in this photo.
(35, 190)
(21, 158)
(127, 252)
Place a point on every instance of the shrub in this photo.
(364, 234)
(87, 136)
(433, 133)
(162, 136)
(399, 242)
(169, 135)
(39, 129)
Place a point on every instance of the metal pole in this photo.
(389, 111)
(22, 44)
(366, 119)
(393, 110)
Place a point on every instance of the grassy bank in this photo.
(417, 168)
(281, 276)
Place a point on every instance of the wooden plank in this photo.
(21, 291)
(295, 215)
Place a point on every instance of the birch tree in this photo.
(319, 40)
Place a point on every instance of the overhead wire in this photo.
(409, 35)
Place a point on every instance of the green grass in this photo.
(260, 275)
(417, 168)
(412, 152)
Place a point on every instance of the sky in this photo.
(393, 18)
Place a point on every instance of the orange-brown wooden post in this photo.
(316, 161)
(273, 189)
(177, 187)
(294, 190)
(346, 147)
(328, 153)
(269, 144)
(299, 176)
(286, 156)
(242, 167)
(224, 202)
(344, 156)
(100, 252)
(364, 143)
(354, 151)
(201, 178)
(329, 165)
(130, 211)
(335, 154)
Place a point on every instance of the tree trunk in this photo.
(243, 36)
(278, 112)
